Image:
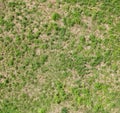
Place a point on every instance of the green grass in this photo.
(59, 56)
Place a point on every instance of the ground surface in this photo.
(60, 56)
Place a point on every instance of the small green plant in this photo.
(30, 36)
(64, 110)
(55, 16)
(43, 59)
(1, 58)
(68, 21)
(60, 95)
(11, 62)
(42, 110)
(97, 61)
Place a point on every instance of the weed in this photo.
(42, 110)
(55, 16)
(1, 58)
(64, 110)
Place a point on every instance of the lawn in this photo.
(59, 56)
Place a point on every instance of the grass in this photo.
(59, 56)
